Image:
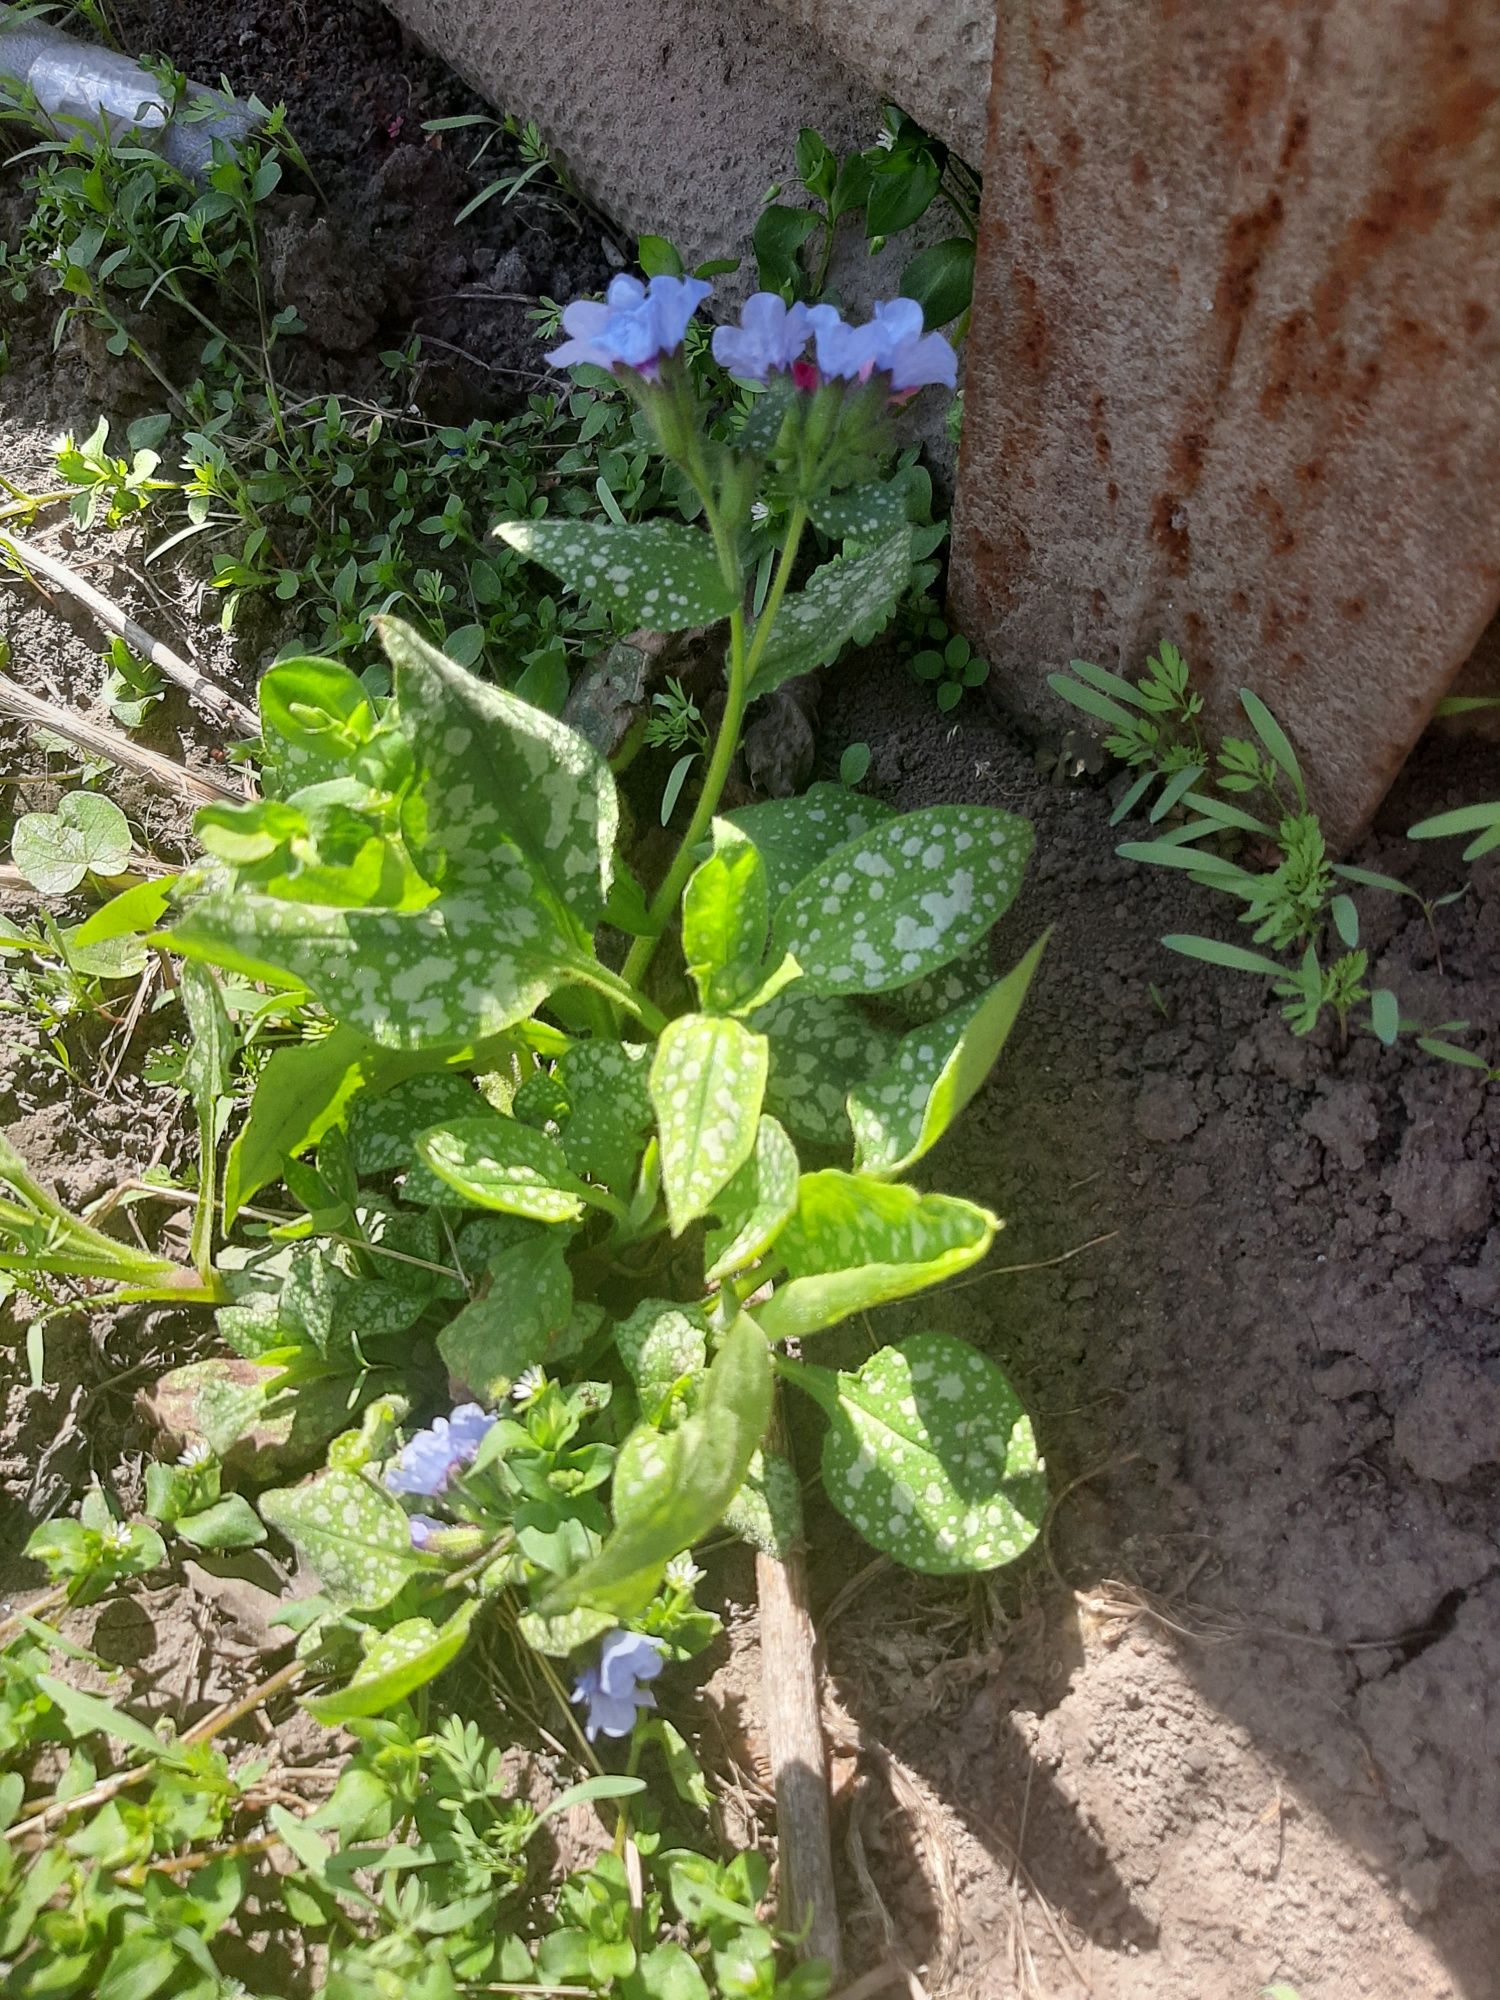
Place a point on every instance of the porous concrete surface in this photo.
(932, 57)
(1233, 378)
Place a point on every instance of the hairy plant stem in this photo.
(742, 665)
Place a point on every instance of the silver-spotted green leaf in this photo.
(399, 1662)
(495, 1162)
(609, 1109)
(660, 1344)
(932, 1458)
(861, 513)
(383, 1129)
(350, 1531)
(314, 713)
(821, 1047)
(708, 1078)
(904, 899)
(704, 1465)
(526, 1302)
(794, 835)
(491, 766)
(460, 969)
(940, 992)
(563, 1634)
(902, 1113)
(725, 915)
(847, 599)
(767, 1510)
(657, 574)
(54, 851)
(856, 1242)
(754, 1205)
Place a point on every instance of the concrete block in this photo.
(1235, 370)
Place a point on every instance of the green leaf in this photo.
(901, 1113)
(314, 714)
(528, 1299)
(303, 1091)
(491, 765)
(350, 1531)
(605, 1786)
(708, 1078)
(230, 1523)
(702, 1466)
(941, 279)
(854, 764)
(725, 914)
(87, 833)
(861, 513)
(779, 235)
(399, 1662)
(493, 1162)
(754, 1205)
(384, 1123)
(849, 599)
(1385, 1015)
(931, 1456)
(134, 910)
(666, 1972)
(139, 1967)
(461, 969)
(609, 1110)
(820, 1049)
(856, 1242)
(657, 255)
(565, 1633)
(87, 1713)
(794, 835)
(657, 574)
(1234, 957)
(660, 1343)
(1483, 820)
(767, 1510)
(901, 190)
(1274, 737)
(1091, 701)
(904, 899)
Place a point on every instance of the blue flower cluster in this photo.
(614, 1690)
(431, 1458)
(635, 325)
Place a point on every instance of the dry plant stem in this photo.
(102, 741)
(215, 702)
(799, 1764)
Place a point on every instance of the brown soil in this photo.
(1236, 1720)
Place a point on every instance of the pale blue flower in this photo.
(431, 1457)
(633, 325)
(845, 353)
(911, 358)
(423, 1528)
(614, 1689)
(770, 337)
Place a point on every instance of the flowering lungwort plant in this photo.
(527, 1160)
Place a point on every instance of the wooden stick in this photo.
(214, 700)
(799, 1765)
(101, 741)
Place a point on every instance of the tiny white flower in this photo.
(683, 1573)
(199, 1453)
(528, 1386)
(759, 512)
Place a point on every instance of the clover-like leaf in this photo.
(399, 1662)
(725, 915)
(350, 1531)
(848, 599)
(708, 1078)
(931, 1456)
(657, 574)
(794, 835)
(527, 1300)
(754, 1205)
(901, 1113)
(491, 765)
(821, 1047)
(87, 834)
(856, 1242)
(495, 1162)
(904, 899)
(609, 1109)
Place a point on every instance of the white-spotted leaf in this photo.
(491, 767)
(755, 1204)
(526, 1301)
(820, 1049)
(931, 1456)
(725, 915)
(350, 1531)
(383, 1128)
(609, 1109)
(660, 1343)
(848, 599)
(87, 834)
(657, 574)
(939, 993)
(902, 1113)
(399, 1662)
(708, 1078)
(794, 835)
(904, 899)
(863, 513)
(494, 1162)
(856, 1242)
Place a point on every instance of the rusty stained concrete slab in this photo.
(1235, 373)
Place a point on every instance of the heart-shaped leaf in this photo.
(931, 1456)
(657, 573)
(794, 835)
(708, 1078)
(399, 1662)
(904, 899)
(901, 1113)
(754, 1205)
(856, 1242)
(350, 1531)
(87, 834)
(494, 1162)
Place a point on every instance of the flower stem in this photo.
(742, 665)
